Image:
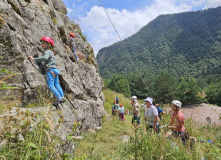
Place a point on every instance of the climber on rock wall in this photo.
(52, 71)
(72, 44)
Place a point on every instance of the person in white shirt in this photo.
(151, 115)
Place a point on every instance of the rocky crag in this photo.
(22, 24)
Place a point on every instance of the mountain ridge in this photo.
(189, 40)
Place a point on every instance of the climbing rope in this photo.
(112, 76)
(102, 59)
(130, 55)
(124, 46)
(126, 49)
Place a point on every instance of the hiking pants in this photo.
(183, 136)
(53, 83)
(73, 50)
(157, 127)
(135, 118)
(122, 116)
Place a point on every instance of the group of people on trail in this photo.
(47, 44)
(152, 116)
(118, 109)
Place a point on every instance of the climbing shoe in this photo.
(56, 104)
(63, 99)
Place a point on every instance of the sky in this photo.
(128, 16)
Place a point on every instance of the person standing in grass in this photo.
(160, 111)
(135, 111)
(151, 116)
(117, 105)
(122, 112)
(114, 111)
(177, 121)
(119, 112)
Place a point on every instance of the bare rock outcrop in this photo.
(22, 24)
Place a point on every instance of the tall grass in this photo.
(4, 86)
(32, 135)
(108, 144)
(109, 100)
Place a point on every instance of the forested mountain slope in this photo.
(184, 44)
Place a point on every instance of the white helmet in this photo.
(177, 103)
(134, 97)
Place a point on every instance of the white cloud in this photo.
(213, 3)
(69, 10)
(101, 33)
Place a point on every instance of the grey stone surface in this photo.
(125, 138)
(22, 25)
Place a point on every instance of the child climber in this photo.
(47, 44)
(72, 45)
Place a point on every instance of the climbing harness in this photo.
(54, 75)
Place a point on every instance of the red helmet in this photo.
(72, 34)
(48, 39)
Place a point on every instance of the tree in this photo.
(213, 93)
(187, 91)
(163, 88)
(120, 84)
(141, 85)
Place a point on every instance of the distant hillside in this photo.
(181, 44)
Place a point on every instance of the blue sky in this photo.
(128, 16)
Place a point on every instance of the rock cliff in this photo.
(22, 24)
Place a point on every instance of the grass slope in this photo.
(107, 143)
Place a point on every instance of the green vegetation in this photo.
(2, 21)
(120, 84)
(81, 34)
(55, 21)
(213, 92)
(4, 86)
(163, 87)
(107, 143)
(184, 44)
(4, 70)
(2, 81)
(40, 142)
(73, 25)
(23, 141)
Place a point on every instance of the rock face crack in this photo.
(14, 6)
(22, 25)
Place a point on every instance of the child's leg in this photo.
(73, 50)
(58, 87)
(56, 82)
(50, 82)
